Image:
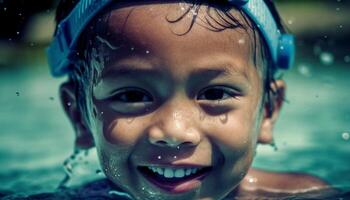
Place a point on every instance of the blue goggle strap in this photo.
(281, 46)
(63, 46)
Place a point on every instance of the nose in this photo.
(174, 126)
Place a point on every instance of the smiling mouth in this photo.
(175, 179)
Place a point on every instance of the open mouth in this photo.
(175, 179)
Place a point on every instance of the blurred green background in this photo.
(312, 134)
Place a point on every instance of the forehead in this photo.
(149, 29)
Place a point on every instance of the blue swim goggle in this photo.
(63, 46)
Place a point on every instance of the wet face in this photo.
(178, 116)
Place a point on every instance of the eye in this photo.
(217, 93)
(132, 95)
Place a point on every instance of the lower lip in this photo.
(180, 187)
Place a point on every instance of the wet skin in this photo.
(169, 100)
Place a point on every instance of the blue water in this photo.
(36, 137)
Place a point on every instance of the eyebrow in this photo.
(221, 71)
(202, 74)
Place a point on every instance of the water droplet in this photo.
(17, 93)
(345, 136)
(326, 58)
(51, 98)
(304, 70)
(175, 157)
(132, 48)
(223, 118)
(219, 102)
(147, 52)
(340, 26)
(159, 157)
(98, 171)
(178, 147)
(241, 41)
(101, 113)
(130, 120)
(69, 104)
(143, 188)
(252, 180)
(290, 21)
(347, 59)
(242, 175)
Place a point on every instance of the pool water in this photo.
(312, 134)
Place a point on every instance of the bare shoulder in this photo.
(265, 182)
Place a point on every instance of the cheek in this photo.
(236, 142)
(235, 132)
(115, 129)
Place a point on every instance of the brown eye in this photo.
(217, 93)
(132, 95)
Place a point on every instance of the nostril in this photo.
(165, 143)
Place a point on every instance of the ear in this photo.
(272, 109)
(83, 136)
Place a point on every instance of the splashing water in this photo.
(274, 146)
(81, 167)
(119, 194)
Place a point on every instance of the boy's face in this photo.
(170, 103)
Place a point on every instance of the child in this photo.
(175, 95)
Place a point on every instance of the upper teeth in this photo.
(171, 172)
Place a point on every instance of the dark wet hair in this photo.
(84, 77)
